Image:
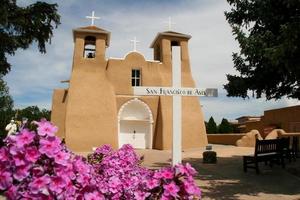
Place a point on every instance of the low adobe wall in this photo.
(224, 138)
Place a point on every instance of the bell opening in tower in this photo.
(89, 47)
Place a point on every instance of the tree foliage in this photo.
(268, 33)
(211, 126)
(33, 113)
(225, 127)
(6, 107)
(6, 101)
(21, 26)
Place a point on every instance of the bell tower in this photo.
(193, 128)
(90, 45)
(91, 109)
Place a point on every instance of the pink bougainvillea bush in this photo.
(36, 165)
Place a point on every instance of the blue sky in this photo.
(34, 75)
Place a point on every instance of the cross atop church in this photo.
(134, 41)
(170, 23)
(93, 17)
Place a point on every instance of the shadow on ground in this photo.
(226, 179)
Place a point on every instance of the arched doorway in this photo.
(135, 124)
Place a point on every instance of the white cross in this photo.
(134, 41)
(176, 91)
(93, 17)
(170, 23)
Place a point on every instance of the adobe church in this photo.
(99, 107)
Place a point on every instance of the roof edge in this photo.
(169, 34)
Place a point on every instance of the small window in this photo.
(89, 47)
(136, 77)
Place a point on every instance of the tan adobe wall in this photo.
(119, 72)
(284, 117)
(228, 138)
(249, 139)
(58, 111)
(91, 111)
(257, 125)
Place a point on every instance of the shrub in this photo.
(36, 165)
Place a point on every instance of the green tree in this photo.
(268, 32)
(211, 126)
(225, 127)
(21, 26)
(33, 113)
(6, 102)
(6, 107)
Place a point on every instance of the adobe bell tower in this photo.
(89, 92)
(193, 127)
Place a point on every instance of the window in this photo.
(136, 77)
(89, 47)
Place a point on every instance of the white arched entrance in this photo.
(135, 123)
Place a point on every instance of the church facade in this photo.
(99, 106)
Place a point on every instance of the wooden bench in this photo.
(265, 151)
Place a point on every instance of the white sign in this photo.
(172, 91)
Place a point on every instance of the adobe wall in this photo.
(256, 125)
(119, 72)
(228, 138)
(91, 111)
(58, 111)
(283, 117)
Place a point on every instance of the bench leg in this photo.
(256, 167)
(282, 162)
(245, 164)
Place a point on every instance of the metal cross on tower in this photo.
(93, 17)
(134, 41)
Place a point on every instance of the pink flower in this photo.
(39, 184)
(190, 169)
(11, 193)
(167, 173)
(157, 175)
(93, 196)
(24, 137)
(171, 189)
(152, 183)
(104, 149)
(81, 167)
(165, 197)
(50, 146)
(46, 128)
(37, 170)
(32, 154)
(62, 158)
(19, 158)
(5, 180)
(83, 179)
(57, 184)
(139, 195)
(67, 171)
(3, 154)
(21, 172)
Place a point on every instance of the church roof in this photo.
(93, 29)
(169, 34)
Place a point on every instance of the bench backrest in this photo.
(267, 146)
